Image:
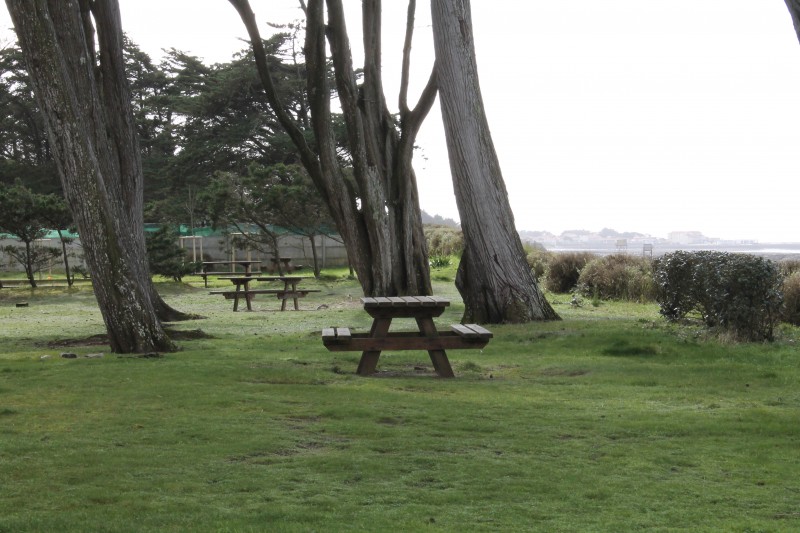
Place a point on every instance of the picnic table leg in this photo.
(438, 357)
(294, 290)
(369, 359)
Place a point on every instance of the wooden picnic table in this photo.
(423, 309)
(242, 284)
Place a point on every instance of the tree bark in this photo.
(89, 122)
(377, 212)
(493, 278)
(794, 10)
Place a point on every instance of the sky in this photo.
(634, 115)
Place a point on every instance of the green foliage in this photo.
(564, 270)
(166, 257)
(736, 293)
(440, 261)
(790, 312)
(618, 277)
(26, 214)
(443, 240)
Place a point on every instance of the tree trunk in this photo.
(377, 213)
(89, 126)
(29, 273)
(314, 255)
(493, 278)
(67, 272)
(794, 10)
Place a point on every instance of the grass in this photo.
(610, 420)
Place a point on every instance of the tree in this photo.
(56, 215)
(377, 209)
(298, 207)
(84, 96)
(794, 11)
(165, 255)
(493, 277)
(24, 150)
(21, 214)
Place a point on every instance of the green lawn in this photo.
(610, 420)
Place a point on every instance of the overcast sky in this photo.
(636, 115)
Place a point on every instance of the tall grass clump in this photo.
(443, 241)
(618, 277)
(789, 267)
(564, 270)
(735, 293)
(791, 299)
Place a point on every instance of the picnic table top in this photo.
(405, 301)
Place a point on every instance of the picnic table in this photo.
(423, 309)
(207, 267)
(242, 284)
(290, 290)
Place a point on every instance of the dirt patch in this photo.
(94, 340)
(188, 335)
(101, 339)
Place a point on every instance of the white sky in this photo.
(636, 115)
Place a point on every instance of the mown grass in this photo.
(609, 420)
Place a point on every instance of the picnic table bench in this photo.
(421, 308)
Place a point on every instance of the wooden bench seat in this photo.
(461, 336)
(231, 294)
(471, 331)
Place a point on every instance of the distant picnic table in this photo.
(207, 268)
(290, 290)
(423, 309)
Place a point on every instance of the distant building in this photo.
(687, 237)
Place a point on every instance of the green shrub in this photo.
(737, 293)
(618, 277)
(791, 299)
(564, 269)
(165, 256)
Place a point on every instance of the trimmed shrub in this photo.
(564, 270)
(791, 299)
(618, 277)
(738, 293)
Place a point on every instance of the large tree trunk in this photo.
(377, 212)
(88, 119)
(493, 278)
